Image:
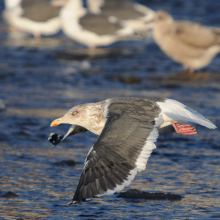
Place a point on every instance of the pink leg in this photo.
(14, 30)
(92, 47)
(185, 68)
(191, 71)
(184, 129)
(37, 36)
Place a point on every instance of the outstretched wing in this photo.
(121, 150)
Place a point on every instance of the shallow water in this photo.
(38, 84)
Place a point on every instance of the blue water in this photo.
(37, 87)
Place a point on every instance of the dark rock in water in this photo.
(137, 194)
(19, 219)
(88, 54)
(65, 163)
(84, 215)
(127, 79)
(177, 80)
(9, 194)
(150, 68)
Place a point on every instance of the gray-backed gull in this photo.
(127, 129)
(36, 17)
(126, 12)
(90, 29)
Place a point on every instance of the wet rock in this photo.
(6, 75)
(88, 216)
(176, 81)
(137, 194)
(88, 54)
(65, 163)
(127, 79)
(150, 68)
(84, 66)
(2, 105)
(186, 76)
(9, 194)
(25, 133)
(25, 157)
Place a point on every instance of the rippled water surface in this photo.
(41, 80)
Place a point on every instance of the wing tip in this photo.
(212, 126)
(178, 111)
(74, 202)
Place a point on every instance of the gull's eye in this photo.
(74, 113)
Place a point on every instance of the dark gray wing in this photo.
(39, 10)
(98, 24)
(114, 160)
(55, 139)
(122, 9)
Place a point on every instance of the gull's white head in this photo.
(89, 116)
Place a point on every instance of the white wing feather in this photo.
(179, 111)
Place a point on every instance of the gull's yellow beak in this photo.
(56, 122)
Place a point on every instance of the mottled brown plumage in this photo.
(191, 44)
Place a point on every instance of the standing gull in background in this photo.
(126, 12)
(188, 43)
(127, 129)
(90, 29)
(38, 18)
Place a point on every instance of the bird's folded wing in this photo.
(196, 35)
(39, 10)
(99, 24)
(122, 9)
(121, 150)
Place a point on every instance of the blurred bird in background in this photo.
(90, 29)
(188, 43)
(96, 23)
(100, 24)
(126, 12)
(38, 18)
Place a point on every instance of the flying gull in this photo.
(127, 129)
(38, 18)
(128, 13)
(188, 43)
(90, 29)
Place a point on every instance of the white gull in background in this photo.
(90, 29)
(36, 17)
(126, 12)
(127, 129)
(188, 43)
